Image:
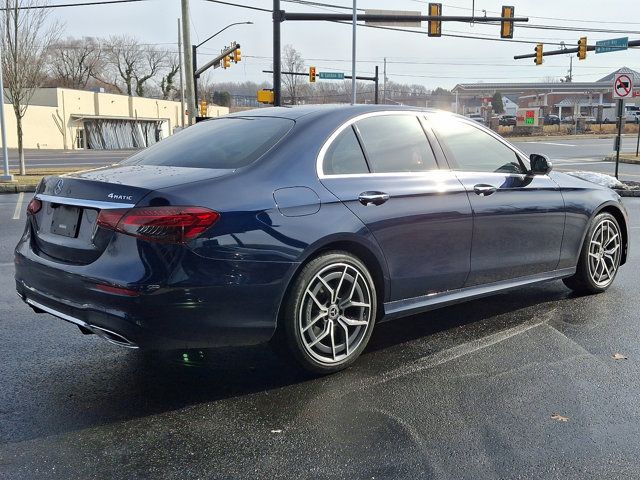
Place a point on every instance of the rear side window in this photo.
(226, 143)
(396, 143)
(344, 155)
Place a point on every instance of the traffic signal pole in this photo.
(590, 48)
(280, 16)
(375, 79)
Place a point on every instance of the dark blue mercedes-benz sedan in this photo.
(306, 226)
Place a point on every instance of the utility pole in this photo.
(7, 177)
(277, 65)
(353, 55)
(384, 82)
(181, 75)
(188, 61)
(570, 68)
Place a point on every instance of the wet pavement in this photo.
(468, 391)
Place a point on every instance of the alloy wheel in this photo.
(335, 313)
(604, 253)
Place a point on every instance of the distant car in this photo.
(306, 227)
(632, 117)
(508, 120)
(552, 120)
(586, 118)
(477, 117)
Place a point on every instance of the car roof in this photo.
(297, 112)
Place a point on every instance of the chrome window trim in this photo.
(348, 123)
(79, 202)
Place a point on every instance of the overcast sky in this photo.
(412, 58)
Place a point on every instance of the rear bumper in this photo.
(203, 303)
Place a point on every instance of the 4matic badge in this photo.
(115, 196)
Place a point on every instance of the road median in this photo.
(29, 182)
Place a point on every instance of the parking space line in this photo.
(18, 210)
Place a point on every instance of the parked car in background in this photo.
(305, 227)
(477, 118)
(586, 118)
(552, 119)
(507, 120)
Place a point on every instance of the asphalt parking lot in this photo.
(520, 385)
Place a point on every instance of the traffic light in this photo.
(226, 62)
(582, 48)
(237, 55)
(435, 26)
(506, 26)
(539, 55)
(312, 74)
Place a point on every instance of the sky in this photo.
(411, 58)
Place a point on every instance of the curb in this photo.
(16, 188)
(623, 159)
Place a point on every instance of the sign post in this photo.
(622, 89)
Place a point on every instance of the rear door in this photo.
(518, 218)
(383, 168)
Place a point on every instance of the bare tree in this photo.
(167, 83)
(72, 62)
(152, 61)
(122, 55)
(25, 41)
(292, 61)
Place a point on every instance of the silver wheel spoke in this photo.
(316, 301)
(326, 285)
(327, 329)
(344, 274)
(356, 304)
(333, 341)
(346, 336)
(314, 321)
(351, 322)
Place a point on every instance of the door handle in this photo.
(374, 198)
(484, 190)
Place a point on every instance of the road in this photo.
(582, 153)
(585, 153)
(464, 392)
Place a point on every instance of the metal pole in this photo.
(194, 56)
(384, 82)
(277, 66)
(7, 177)
(377, 100)
(638, 142)
(181, 75)
(353, 54)
(620, 113)
(188, 60)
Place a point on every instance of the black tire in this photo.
(583, 281)
(292, 339)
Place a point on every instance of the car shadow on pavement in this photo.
(128, 385)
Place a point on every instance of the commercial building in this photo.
(61, 118)
(562, 98)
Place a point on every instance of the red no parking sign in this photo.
(622, 86)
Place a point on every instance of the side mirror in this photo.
(540, 164)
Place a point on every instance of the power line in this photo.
(249, 7)
(65, 5)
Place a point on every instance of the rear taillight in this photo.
(34, 206)
(160, 224)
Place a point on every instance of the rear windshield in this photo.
(229, 142)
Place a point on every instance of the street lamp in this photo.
(194, 49)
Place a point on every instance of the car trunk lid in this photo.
(65, 229)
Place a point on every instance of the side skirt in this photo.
(411, 306)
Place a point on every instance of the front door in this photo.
(518, 218)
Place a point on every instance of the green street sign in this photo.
(331, 75)
(612, 45)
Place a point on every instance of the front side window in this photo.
(396, 143)
(344, 156)
(474, 150)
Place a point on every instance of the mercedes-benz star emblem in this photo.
(58, 188)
